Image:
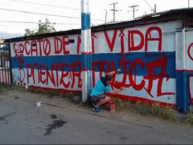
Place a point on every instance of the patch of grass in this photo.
(156, 110)
(145, 109)
(4, 89)
(166, 113)
(11, 88)
(1, 90)
(49, 94)
(169, 114)
(189, 119)
(122, 105)
(52, 94)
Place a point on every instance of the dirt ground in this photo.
(59, 121)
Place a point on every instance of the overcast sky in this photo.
(61, 9)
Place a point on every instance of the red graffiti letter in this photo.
(64, 45)
(21, 77)
(58, 45)
(21, 48)
(152, 76)
(78, 45)
(30, 74)
(34, 48)
(47, 47)
(40, 45)
(131, 41)
(27, 52)
(133, 82)
(64, 75)
(122, 35)
(41, 73)
(76, 74)
(111, 43)
(93, 37)
(149, 37)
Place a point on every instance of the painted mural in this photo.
(189, 70)
(145, 54)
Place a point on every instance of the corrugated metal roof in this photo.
(169, 15)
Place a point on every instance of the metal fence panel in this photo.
(5, 65)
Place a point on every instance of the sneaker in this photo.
(97, 110)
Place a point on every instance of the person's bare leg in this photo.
(103, 101)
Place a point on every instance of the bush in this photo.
(168, 113)
(156, 109)
(143, 108)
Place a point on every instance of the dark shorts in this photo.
(95, 99)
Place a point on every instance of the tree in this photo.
(43, 27)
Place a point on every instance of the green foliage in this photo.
(189, 119)
(53, 94)
(1, 90)
(169, 114)
(4, 89)
(43, 27)
(121, 104)
(145, 109)
(166, 113)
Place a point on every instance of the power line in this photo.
(15, 25)
(41, 4)
(148, 4)
(45, 14)
(36, 22)
(45, 5)
(38, 13)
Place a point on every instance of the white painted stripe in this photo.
(101, 45)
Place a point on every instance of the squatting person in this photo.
(102, 92)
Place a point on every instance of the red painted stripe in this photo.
(183, 70)
(60, 90)
(133, 99)
(86, 53)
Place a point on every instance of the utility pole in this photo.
(155, 9)
(133, 7)
(86, 49)
(105, 16)
(114, 10)
(188, 3)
